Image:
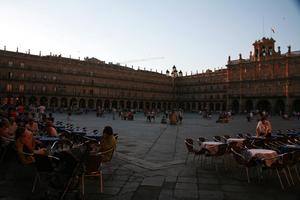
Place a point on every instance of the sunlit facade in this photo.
(266, 80)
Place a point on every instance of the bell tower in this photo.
(263, 48)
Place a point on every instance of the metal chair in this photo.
(242, 161)
(93, 167)
(189, 143)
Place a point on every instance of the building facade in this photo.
(267, 80)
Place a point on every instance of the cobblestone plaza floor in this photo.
(149, 163)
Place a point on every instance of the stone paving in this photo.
(150, 164)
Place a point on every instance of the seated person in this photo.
(32, 126)
(107, 142)
(51, 131)
(5, 136)
(264, 127)
(25, 146)
(12, 127)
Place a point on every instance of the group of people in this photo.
(18, 131)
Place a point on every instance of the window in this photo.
(22, 65)
(10, 63)
(91, 92)
(55, 89)
(21, 88)
(54, 78)
(22, 75)
(9, 87)
(43, 88)
(10, 75)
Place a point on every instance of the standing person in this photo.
(42, 109)
(114, 113)
(180, 116)
(108, 142)
(263, 127)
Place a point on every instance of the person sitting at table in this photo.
(5, 137)
(32, 126)
(263, 127)
(12, 127)
(51, 131)
(26, 146)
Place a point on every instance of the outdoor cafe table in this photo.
(263, 154)
(289, 147)
(239, 141)
(46, 139)
(211, 146)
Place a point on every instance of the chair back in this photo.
(189, 143)
(239, 158)
(221, 150)
(107, 155)
(217, 138)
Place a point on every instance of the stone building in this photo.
(59, 82)
(267, 80)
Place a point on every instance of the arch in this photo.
(73, 102)
(296, 105)
(32, 100)
(147, 105)
(263, 105)
(114, 104)
(235, 106)
(279, 106)
(224, 106)
(193, 106)
(121, 104)
(249, 105)
(153, 105)
(135, 105)
(82, 103)
(141, 105)
(218, 107)
(181, 105)
(164, 105)
(99, 103)
(106, 104)
(64, 102)
(188, 106)
(54, 102)
(211, 107)
(169, 106)
(158, 105)
(43, 101)
(91, 104)
(128, 105)
(199, 106)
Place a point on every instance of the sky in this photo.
(193, 35)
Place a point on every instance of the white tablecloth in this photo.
(212, 147)
(264, 154)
